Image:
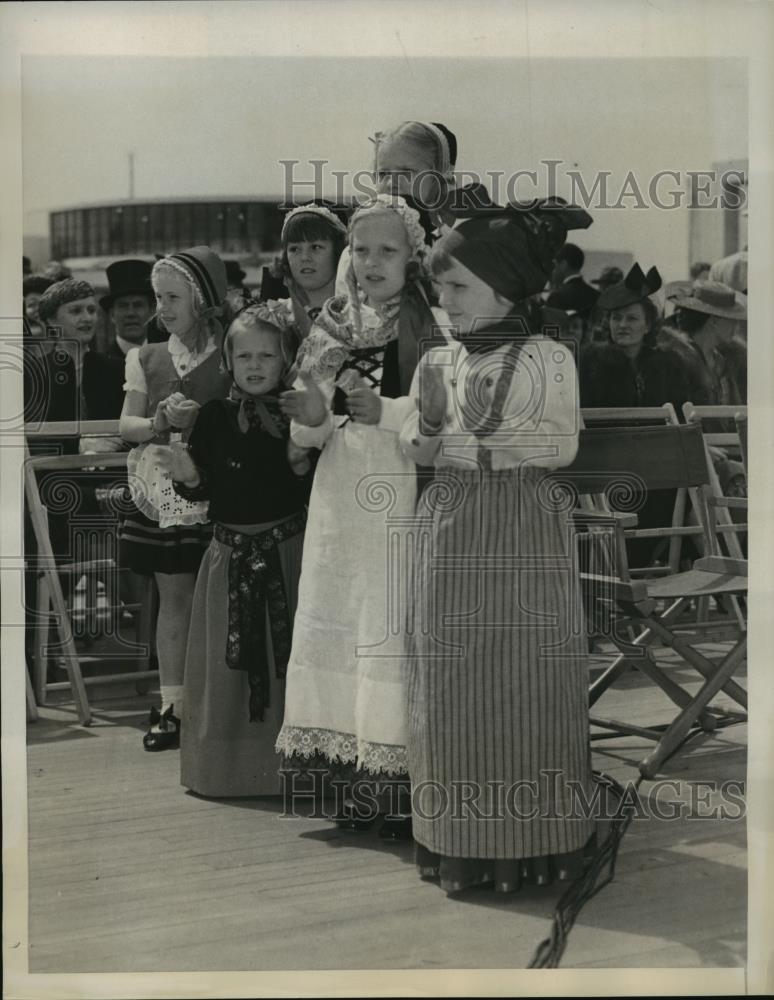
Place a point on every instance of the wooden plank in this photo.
(130, 873)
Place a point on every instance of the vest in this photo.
(205, 382)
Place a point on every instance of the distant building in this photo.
(237, 227)
(720, 230)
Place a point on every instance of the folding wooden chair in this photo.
(661, 458)
(50, 594)
(708, 418)
(672, 533)
(740, 419)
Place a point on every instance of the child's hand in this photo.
(176, 461)
(183, 413)
(364, 405)
(298, 459)
(160, 420)
(306, 406)
(432, 400)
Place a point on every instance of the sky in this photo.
(219, 126)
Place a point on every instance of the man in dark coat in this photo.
(570, 291)
(129, 305)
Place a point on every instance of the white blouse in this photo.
(540, 414)
(183, 359)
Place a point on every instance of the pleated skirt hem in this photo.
(504, 875)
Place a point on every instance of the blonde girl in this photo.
(344, 702)
(166, 385)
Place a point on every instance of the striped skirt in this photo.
(498, 744)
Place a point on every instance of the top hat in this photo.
(234, 273)
(713, 298)
(127, 277)
(609, 276)
(635, 287)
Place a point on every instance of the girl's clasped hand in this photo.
(307, 406)
(432, 399)
(179, 411)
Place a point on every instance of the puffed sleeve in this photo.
(134, 375)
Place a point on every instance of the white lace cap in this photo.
(408, 216)
(313, 209)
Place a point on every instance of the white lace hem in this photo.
(153, 494)
(343, 748)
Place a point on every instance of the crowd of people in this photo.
(336, 485)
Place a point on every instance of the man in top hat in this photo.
(130, 305)
(237, 293)
(570, 290)
(610, 276)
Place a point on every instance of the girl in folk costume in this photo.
(166, 385)
(496, 645)
(312, 241)
(416, 161)
(345, 697)
(239, 458)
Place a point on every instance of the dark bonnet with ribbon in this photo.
(513, 249)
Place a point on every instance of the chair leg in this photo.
(672, 689)
(32, 708)
(682, 724)
(606, 679)
(700, 663)
(40, 658)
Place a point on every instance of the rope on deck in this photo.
(601, 870)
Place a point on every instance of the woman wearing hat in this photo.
(54, 373)
(53, 391)
(496, 661)
(166, 385)
(631, 370)
(708, 315)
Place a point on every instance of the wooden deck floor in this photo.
(130, 873)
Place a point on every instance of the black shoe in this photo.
(167, 736)
(396, 828)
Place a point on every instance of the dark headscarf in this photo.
(513, 249)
